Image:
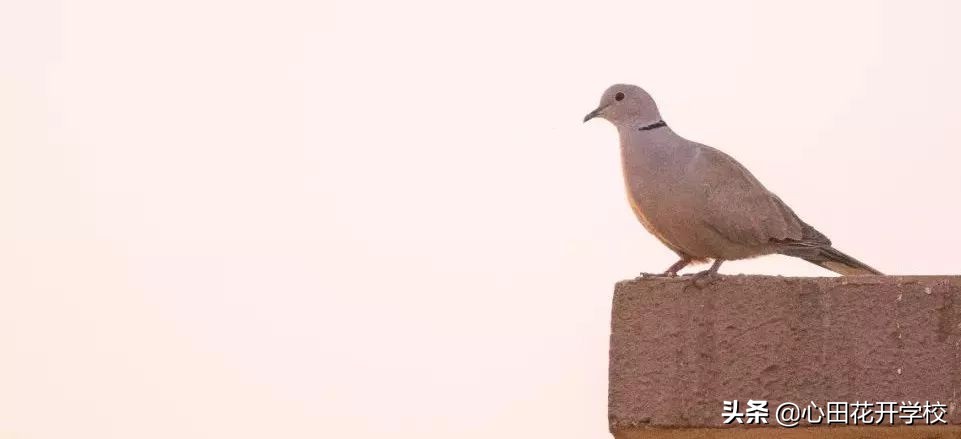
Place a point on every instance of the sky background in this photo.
(386, 219)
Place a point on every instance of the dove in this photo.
(700, 202)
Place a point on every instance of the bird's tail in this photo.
(838, 262)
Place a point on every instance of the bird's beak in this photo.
(593, 114)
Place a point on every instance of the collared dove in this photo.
(699, 201)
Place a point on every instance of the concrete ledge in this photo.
(677, 352)
(835, 432)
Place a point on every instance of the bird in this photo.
(702, 203)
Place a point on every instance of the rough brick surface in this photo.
(678, 351)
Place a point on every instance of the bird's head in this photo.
(623, 104)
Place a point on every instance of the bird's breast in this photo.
(643, 195)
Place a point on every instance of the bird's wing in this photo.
(743, 211)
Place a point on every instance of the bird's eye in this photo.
(619, 96)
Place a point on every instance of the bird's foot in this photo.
(644, 275)
(704, 278)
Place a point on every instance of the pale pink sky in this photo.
(385, 219)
